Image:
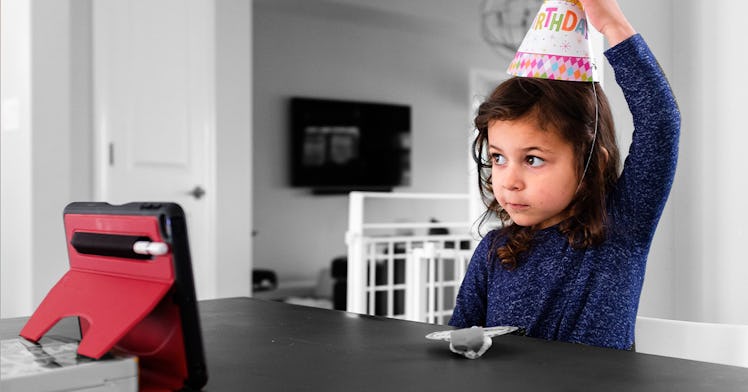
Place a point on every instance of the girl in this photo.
(569, 262)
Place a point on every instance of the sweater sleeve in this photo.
(649, 169)
(470, 306)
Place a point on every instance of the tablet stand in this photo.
(120, 296)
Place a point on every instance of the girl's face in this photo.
(533, 172)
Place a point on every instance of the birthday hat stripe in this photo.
(552, 67)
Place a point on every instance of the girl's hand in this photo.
(606, 16)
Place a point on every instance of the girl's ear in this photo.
(606, 155)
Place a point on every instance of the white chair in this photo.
(725, 344)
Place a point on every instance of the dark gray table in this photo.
(261, 345)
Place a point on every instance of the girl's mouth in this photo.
(516, 206)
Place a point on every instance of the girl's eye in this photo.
(498, 159)
(534, 161)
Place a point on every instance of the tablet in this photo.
(130, 283)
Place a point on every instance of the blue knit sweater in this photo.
(589, 295)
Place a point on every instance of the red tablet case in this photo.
(144, 306)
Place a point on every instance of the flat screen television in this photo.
(339, 146)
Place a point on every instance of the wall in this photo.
(15, 167)
(420, 55)
(697, 265)
(40, 155)
(233, 175)
(710, 234)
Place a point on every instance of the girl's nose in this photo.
(511, 178)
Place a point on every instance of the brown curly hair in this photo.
(570, 109)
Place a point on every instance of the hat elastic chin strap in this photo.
(594, 139)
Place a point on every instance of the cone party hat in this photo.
(557, 46)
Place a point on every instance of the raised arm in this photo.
(649, 169)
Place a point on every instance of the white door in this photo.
(153, 67)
